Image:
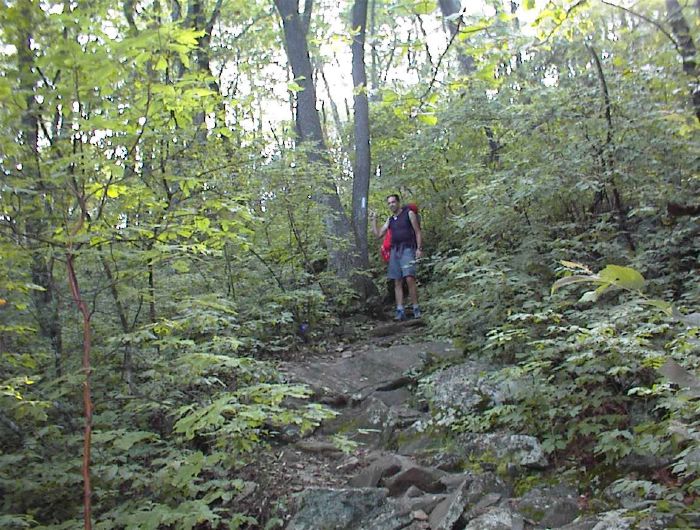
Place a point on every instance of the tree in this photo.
(687, 49)
(362, 165)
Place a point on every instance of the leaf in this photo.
(589, 296)
(295, 87)
(575, 278)
(126, 442)
(424, 7)
(666, 307)
(624, 277)
(428, 118)
(529, 4)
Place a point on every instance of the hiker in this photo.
(406, 247)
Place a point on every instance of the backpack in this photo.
(386, 244)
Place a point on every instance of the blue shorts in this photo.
(402, 263)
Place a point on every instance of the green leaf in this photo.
(295, 87)
(428, 118)
(424, 7)
(124, 443)
(575, 278)
(624, 277)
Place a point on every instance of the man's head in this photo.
(394, 202)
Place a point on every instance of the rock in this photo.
(463, 387)
(383, 467)
(514, 448)
(413, 492)
(339, 509)
(393, 398)
(419, 515)
(453, 480)
(425, 503)
(318, 446)
(448, 512)
(484, 484)
(425, 478)
(497, 519)
(365, 369)
(551, 507)
(371, 423)
(348, 464)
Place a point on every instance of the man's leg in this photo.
(398, 292)
(412, 289)
(413, 294)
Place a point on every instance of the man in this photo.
(406, 248)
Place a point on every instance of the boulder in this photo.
(424, 478)
(337, 509)
(463, 387)
(448, 512)
(551, 507)
(384, 466)
(370, 423)
(497, 518)
(518, 449)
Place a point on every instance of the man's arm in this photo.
(379, 232)
(419, 235)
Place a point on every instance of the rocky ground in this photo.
(381, 465)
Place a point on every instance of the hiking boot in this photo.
(400, 315)
(416, 312)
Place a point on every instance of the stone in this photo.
(383, 467)
(497, 518)
(365, 370)
(505, 447)
(371, 423)
(463, 387)
(484, 484)
(393, 398)
(338, 509)
(448, 512)
(424, 478)
(413, 492)
(425, 503)
(318, 446)
(551, 507)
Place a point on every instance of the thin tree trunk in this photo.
(41, 267)
(87, 399)
(361, 170)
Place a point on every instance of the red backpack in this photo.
(386, 244)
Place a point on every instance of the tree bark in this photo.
(681, 31)
(361, 170)
(449, 8)
(41, 268)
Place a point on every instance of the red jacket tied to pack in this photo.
(386, 244)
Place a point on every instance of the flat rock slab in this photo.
(365, 371)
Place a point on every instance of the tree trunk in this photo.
(361, 170)
(449, 8)
(681, 31)
(44, 301)
(342, 259)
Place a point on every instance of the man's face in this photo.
(393, 204)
